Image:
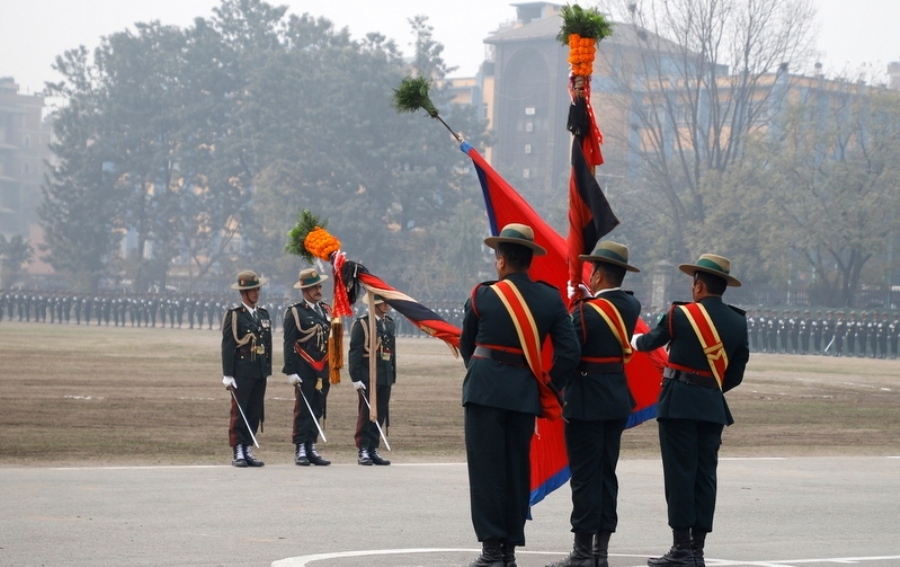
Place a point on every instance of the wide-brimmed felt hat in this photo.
(248, 279)
(610, 252)
(377, 299)
(309, 277)
(712, 264)
(515, 233)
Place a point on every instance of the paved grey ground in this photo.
(772, 513)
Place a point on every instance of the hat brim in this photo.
(262, 282)
(322, 278)
(691, 269)
(493, 241)
(365, 300)
(605, 260)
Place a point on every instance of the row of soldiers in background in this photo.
(831, 333)
(194, 311)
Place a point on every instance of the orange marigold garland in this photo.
(582, 30)
(321, 244)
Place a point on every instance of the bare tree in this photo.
(699, 77)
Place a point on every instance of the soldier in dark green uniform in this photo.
(708, 351)
(246, 366)
(367, 437)
(501, 394)
(598, 403)
(307, 325)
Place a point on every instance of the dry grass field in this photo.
(79, 395)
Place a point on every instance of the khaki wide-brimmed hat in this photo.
(516, 233)
(248, 279)
(309, 277)
(377, 299)
(712, 264)
(610, 252)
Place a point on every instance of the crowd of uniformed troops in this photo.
(831, 333)
(190, 311)
(872, 334)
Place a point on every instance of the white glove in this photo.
(294, 380)
(634, 339)
(359, 385)
(577, 292)
(229, 383)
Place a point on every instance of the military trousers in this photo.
(690, 456)
(367, 436)
(498, 447)
(593, 449)
(304, 428)
(251, 394)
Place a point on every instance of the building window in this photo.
(27, 168)
(529, 111)
(527, 148)
(529, 126)
(27, 141)
(484, 110)
(526, 173)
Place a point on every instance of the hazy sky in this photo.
(33, 32)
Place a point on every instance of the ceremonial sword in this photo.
(311, 414)
(247, 423)
(380, 432)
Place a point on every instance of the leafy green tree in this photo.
(14, 255)
(835, 194)
(79, 206)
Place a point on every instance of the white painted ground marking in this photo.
(138, 468)
(306, 560)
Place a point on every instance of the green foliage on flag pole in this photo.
(586, 23)
(306, 223)
(412, 94)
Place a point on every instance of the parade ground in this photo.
(114, 453)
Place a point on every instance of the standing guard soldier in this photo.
(752, 321)
(307, 325)
(862, 334)
(367, 433)
(816, 327)
(598, 403)
(762, 325)
(881, 330)
(803, 332)
(246, 366)
(872, 333)
(894, 334)
(850, 332)
(794, 332)
(839, 334)
(708, 351)
(773, 324)
(505, 323)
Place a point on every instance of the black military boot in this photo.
(252, 461)
(582, 554)
(377, 459)
(601, 549)
(314, 457)
(508, 552)
(300, 458)
(238, 459)
(698, 540)
(680, 555)
(491, 555)
(363, 457)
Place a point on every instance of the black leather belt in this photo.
(586, 367)
(690, 378)
(503, 357)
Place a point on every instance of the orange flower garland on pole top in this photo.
(582, 51)
(321, 244)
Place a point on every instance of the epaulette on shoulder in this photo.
(237, 308)
(738, 310)
(389, 318)
(262, 309)
(680, 302)
(628, 291)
